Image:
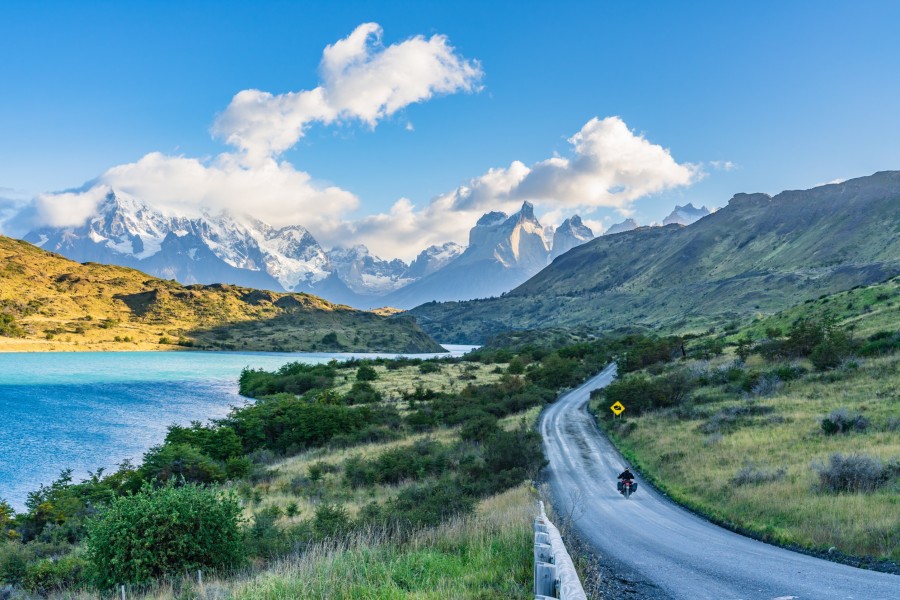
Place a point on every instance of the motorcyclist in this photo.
(624, 476)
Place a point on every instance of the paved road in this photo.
(681, 554)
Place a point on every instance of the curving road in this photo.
(667, 548)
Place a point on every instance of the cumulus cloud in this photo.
(273, 191)
(609, 166)
(723, 165)
(360, 79)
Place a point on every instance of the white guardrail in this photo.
(554, 573)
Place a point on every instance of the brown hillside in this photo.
(48, 302)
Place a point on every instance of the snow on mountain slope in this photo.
(367, 274)
(211, 247)
(626, 225)
(432, 259)
(571, 233)
(685, 215)
(503, 252)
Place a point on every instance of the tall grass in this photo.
(482, 556)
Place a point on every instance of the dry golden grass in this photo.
(61, 305)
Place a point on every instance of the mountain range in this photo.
(503, 251)
(757, 255)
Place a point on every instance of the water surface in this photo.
(84, 410)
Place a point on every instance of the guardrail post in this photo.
(544, 579)
(554, 573)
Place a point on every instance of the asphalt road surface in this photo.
(667, 548)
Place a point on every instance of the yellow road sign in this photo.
(617, 408)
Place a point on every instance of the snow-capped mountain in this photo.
(221, 247)
(571, 233)
(367, 274)
(244, 251)
(503, 252)
(516, 242)
(626, 225)
(433, 258)
(685, 215)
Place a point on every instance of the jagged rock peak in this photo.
(572, 232)
(492, 218)
(626, 225)
(527, 212)
(685, 215)
(433, 258)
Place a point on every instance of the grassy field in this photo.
(746, 446)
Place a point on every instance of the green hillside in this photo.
(759, 254)
(48, 302)
(787, 429)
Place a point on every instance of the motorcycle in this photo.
(627, 487)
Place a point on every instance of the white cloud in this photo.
(722, 165)
(274, 192)
(360, 79)
(610, 167)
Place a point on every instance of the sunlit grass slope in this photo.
(48, 302)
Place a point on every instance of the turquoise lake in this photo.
(84, 410)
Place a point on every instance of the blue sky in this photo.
(793, 94)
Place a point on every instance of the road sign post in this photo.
(618, 408)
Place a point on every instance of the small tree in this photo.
(160, 531)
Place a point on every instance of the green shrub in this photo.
(362, 392)
(181, 463)
(366, 373)
(479, 428)
(855, 473)
(883, 342)
(265, 539)
(842, 420)
(9, 327)
(293, 378)
(53, 574)
(331, 520)
(163, 531)
(220, 443)
(429, 503)
(429, 366)
(421, 459)
(238, 467)
(14, 560)
(285, 423)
